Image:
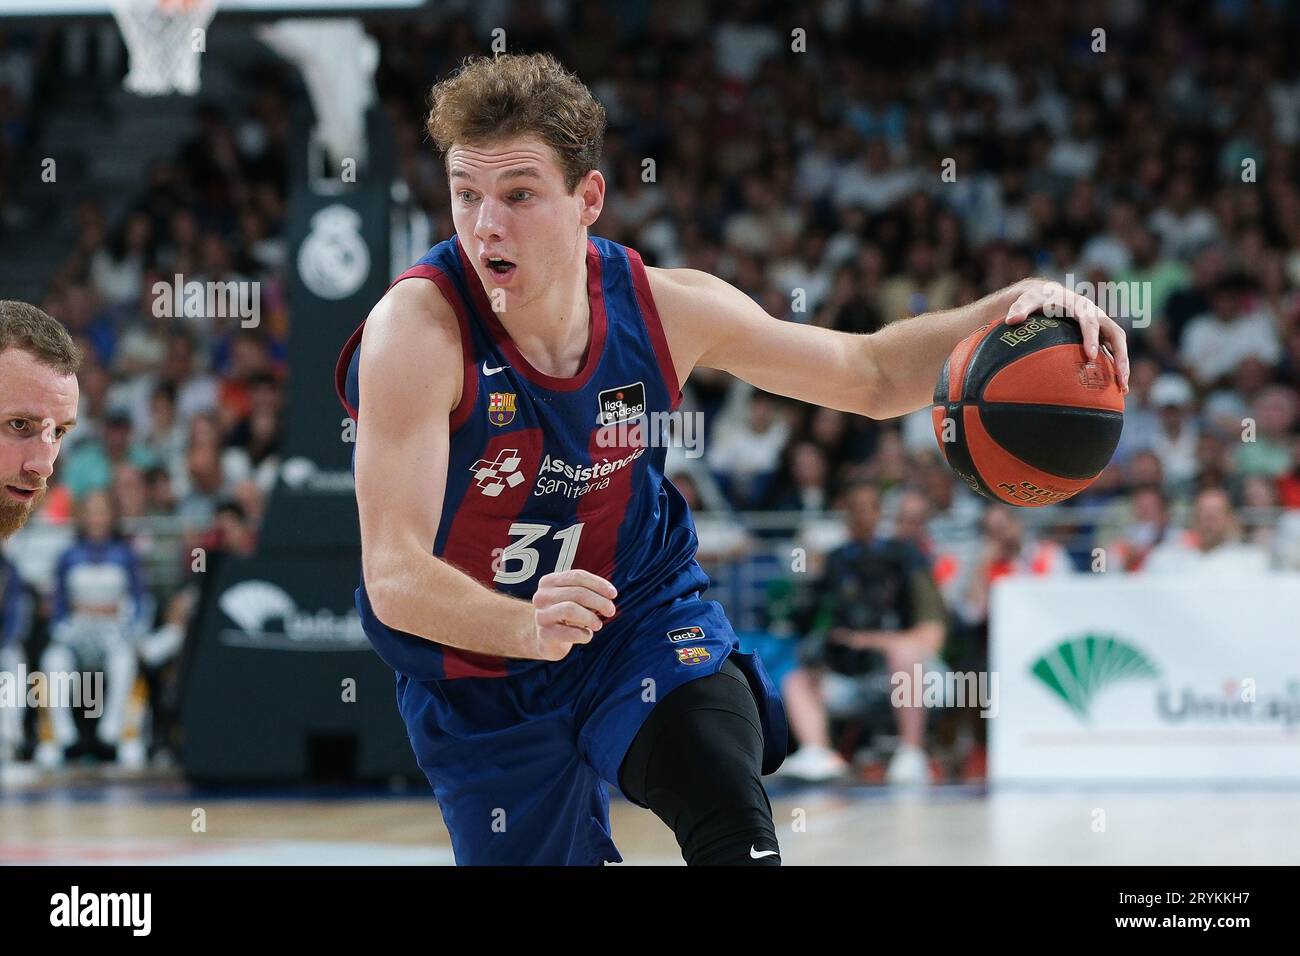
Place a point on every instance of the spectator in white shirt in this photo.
(117, 269)
(802, 276)
(1216, 548)
(1075, 156)
(1183, 227)
(744, 452)
(743, 41)
(1108, 251)
(1175, 440)
(874, 184)
(1214, 344)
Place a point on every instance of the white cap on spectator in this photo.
(1171, 389)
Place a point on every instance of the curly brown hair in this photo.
(489, 99)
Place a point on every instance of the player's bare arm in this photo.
(410, 384)
(891, 372)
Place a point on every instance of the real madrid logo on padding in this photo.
(501, 407)
(333, 260)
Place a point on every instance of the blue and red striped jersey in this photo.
(549, 473)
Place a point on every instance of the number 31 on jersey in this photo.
(527, 556)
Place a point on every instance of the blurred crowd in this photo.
(1161, 155)
(848, 164)
(180, 425)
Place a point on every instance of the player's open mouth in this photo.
(20, 494)
(500, 269)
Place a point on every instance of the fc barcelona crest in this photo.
(501, 407)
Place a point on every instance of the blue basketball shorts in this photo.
(521, 765)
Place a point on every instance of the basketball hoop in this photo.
(162, 44)
(337, 59)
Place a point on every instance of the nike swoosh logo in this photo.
(493, 371)
(759, 854)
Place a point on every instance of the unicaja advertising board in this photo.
(1142, 678)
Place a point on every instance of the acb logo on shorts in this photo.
(692, 655)
(692, 633)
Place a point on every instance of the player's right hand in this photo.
(568, 608)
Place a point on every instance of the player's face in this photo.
(37, 407)
(517, 223)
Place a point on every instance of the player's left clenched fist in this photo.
(1056, 301)
(568, 608)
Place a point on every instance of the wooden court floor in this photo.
(91, 820)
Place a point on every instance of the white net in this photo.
(165, 39)
(338, 60)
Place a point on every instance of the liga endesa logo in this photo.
(621, 404)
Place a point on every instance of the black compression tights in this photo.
(696, 763)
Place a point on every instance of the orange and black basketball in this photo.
(1023, 416)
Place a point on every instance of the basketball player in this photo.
(38, 404)
(526, 569)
